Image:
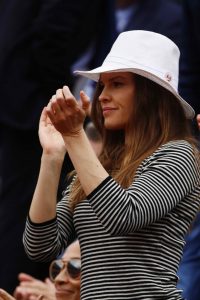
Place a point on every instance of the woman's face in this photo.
(67, 287)
(117, 98)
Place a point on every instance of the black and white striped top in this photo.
(131, 239)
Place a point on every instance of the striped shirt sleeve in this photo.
(45, 241)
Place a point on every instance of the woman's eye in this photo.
(101, 86)
(117, 83)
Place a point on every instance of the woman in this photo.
(132, 206)
(65, 280)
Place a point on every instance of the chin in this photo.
(113, 126)
(62, 297)
(68, 296)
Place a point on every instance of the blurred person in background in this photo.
(63, 282)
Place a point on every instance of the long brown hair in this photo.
(157, 118)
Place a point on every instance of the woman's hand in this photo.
(5, 296)
(66, 113)
(31, 288)
(51, 140)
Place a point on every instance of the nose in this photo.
(62, 277)
(104, 96)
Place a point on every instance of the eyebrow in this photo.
(66, 260)
(117, 77)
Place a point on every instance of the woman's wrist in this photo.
(49, 157)
(74, 139)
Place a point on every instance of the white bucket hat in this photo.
(148, 54)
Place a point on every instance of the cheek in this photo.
(76, 285)
(76, 294)
(129, 107)
(62, 297)
(128, 113)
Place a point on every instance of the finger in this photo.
(49, 111)
(85, 100)
(20, 293)
(24, 276)
(49, 105)
(43, 115)
(69, 97)
(5, 296)
(67, 93)
(59, 94)
(33, 284)
(68, 106)
(49, 282)
(55, 104)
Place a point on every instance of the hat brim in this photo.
(95, 74)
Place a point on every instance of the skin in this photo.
(31, 288)
(64, 287)
(5, 296)
(116, 99)
(97, 146)
(198, 121)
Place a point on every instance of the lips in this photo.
(108, 110)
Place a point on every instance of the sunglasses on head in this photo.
(72, 268)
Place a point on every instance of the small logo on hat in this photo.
(168, 77)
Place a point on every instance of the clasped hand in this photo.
(66, 113)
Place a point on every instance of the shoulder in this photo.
(177, 146)
(175, 159)
(179, 151)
